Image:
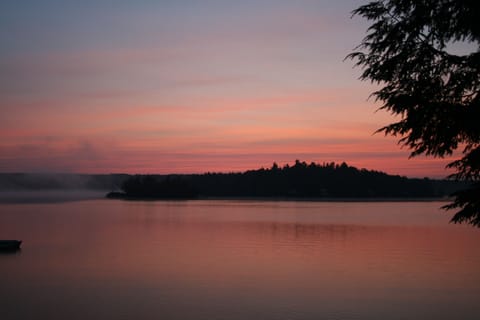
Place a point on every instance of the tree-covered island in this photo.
(301, 180)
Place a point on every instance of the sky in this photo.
(188, 86)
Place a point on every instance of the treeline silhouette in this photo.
(301, 180)
(149, 186)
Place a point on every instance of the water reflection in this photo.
(237, 260)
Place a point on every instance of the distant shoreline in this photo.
(59, 196)
(326, 182)
(299, 199)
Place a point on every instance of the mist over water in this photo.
(59, 181)
(238, 260)
(49, 196)
(55, 187)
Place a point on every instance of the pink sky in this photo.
(161, 87)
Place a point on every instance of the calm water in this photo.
(107, 259)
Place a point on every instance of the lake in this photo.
(225, 259)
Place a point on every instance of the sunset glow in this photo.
(188, 87)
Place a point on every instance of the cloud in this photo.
(185, 86)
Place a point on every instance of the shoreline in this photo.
(293, 199)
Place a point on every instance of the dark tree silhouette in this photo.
(156, 187)
(299, 181)
(407, 51)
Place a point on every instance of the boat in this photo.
(10, 245)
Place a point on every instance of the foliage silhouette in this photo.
(151, 186)
(407, 50)
(301, 180)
